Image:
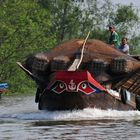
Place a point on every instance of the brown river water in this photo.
(21, 120)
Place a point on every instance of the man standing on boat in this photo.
(114, 37)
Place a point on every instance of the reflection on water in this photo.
(20, 119)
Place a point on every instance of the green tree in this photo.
(126, 17)
(127, 25)
(24, 28)
(66, 17)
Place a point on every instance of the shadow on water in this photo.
(72, 122)
(107, 123)
(89, 129)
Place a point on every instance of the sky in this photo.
(127, 2)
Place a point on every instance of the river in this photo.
(21, 120)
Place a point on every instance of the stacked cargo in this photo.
(121, 65)
(98, 66)
(40, 63)
(59, 63)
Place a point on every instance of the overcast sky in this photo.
(127, 2)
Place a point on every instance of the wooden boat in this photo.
(3, 88)
(79, 73)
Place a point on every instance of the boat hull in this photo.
(71, 101)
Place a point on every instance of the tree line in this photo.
(31, 26)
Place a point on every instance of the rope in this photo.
(82, 52)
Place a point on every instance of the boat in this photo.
(3, 88)
(82, 73)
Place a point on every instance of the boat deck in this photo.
(131, 82)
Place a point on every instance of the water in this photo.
(20, 119)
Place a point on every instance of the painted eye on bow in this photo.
(61, 85)
(84, 85)
(86, 88)
(59, 88)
